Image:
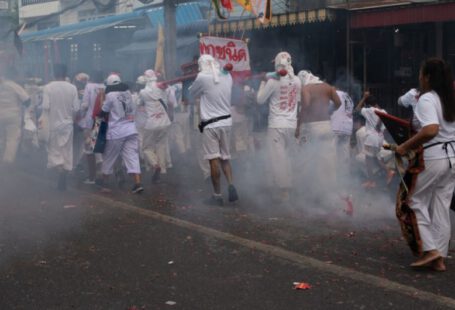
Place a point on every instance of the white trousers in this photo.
(127, 148)
(60, 148)
(10, 128)
(431, 204)
(155, 147)
(280, 143)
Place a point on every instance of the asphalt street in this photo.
(164, 249)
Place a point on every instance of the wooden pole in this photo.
(170, 38)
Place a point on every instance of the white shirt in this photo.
(409, 99)
(12, 96)
(60, 98)
(157, 116)
(341, 120)
(215, 97)
(121, 114)
(371, 120)
(428, 111)
(283, 96)
(91, 91)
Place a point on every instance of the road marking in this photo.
(299, 259)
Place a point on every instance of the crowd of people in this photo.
(107, 126)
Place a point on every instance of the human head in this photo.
(113, 79)
(97, 76)
(208, 64)
(283, 60)
(436, 75)
(60, 71)
(371, 101)
(150, 75)
(308, 78)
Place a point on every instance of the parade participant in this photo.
(341, 122)
(282, 92)
(431, 186)
(91, 91)
(12, 99)
(214, 86)
(374, 138)
(318, 154)
(122, 138)
(156, 128)
(60, 103)
(409, 100)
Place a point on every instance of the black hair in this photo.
(97, 76)
(371, 101)
(440, 79)
(60, 71)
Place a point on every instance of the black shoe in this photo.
(233, 196)
(137, 188)
(215, 201)
(156, 177)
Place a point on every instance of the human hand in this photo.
(400, 150)
(366, 94)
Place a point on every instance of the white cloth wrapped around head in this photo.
(113, 79)
(308, 78)
(141, 80)
(283, 60)
(208, 64)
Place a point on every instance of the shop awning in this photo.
(403, 15)
(186, 14)
(310, 16)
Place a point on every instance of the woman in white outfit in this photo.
(431, 196)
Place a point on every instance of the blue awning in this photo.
(186, 14)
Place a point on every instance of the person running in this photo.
(122, 137)
(214, 86)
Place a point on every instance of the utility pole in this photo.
(170, 38)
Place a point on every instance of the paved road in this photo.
(89, 250)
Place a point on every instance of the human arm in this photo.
(335, 98)
(196, 89)
(424, 135)
(362, 101)
(266, 90)
(304, 104)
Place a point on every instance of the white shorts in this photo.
(215, 143)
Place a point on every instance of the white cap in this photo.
(113, 79)
(283, 60)
(208, 64)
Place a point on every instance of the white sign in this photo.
(227, 51)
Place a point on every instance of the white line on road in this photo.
(299, 259)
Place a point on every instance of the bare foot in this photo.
(427, 258)
(438, 264)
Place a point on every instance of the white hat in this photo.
(113, 79)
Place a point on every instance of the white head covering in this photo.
(141, 80)
(207, 64)
(307, 78)
(283, 60)
(82, 77)
(150, 75)
(113, 79)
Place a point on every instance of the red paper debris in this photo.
(301, 286)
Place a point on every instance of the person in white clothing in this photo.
(409, 99)
(12, 99)
(214, 87)
(121, 137)
(432, 194)
(92, 89)
(282, 92)
(374, 139)
(60, 103)
(156, 125)
(341, 122)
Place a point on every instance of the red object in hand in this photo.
(228, 67)
(283, 72)
(161, 85)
